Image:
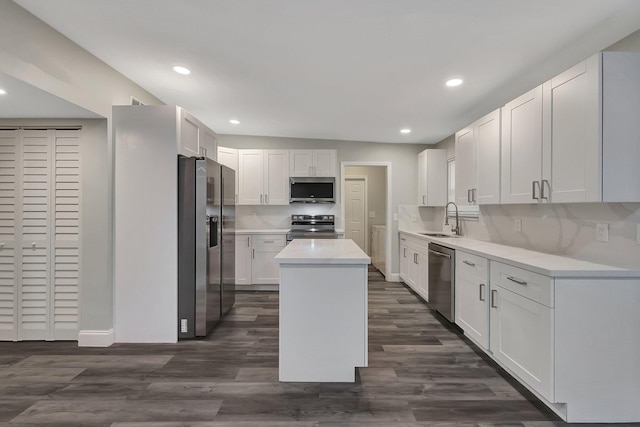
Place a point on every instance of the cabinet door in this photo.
(264, 271)
(413, 270)
(276, 177)
(422, 178)
(229, 157)
(325, 162)
(300, 163)
(405, 255)
(250, 166)
(471, 307)
(487, 137)
(208, 144)
(521, 338)
(422, 281)
(572, 144)
(466, 172)
(522, 148)
(243, 259)
(189, 135)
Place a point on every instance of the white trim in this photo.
(95, 338)
(390, 223)
(367, 244)
(394, 277)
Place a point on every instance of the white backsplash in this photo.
(279, 217)
(560, 229)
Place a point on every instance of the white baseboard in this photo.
(95, 338)
(393, 277)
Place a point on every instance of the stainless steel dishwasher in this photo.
(441, 280)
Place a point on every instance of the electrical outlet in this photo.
(395, 216)
(372, 214)
(518, 224)
(602, 232)
(414, 217)
(183, 326)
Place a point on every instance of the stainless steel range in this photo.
(312, 227)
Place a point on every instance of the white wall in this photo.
(404, 165)
(36, 54)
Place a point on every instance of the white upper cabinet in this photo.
(522, 148)
(432, 178)
(478, 162)
(263, 177)
(195, 139)
(313, 163)
(229, 157)
(575, 138)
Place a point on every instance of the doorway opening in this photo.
(366, 209)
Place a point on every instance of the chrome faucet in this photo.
(456, 229)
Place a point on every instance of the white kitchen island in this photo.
(323, 310)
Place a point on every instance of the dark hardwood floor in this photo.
(421, 372)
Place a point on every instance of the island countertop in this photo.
(322, 251)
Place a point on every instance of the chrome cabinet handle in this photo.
(519, 282)
(415, 258)
(533, 189)
(261, 199)
(266, 199)
(253, 253)
(469, 195)
(267, 241)
(404, 254)
(481, 290)
(494, 292)
(542, 196)
(473, 195)
(469, 263)
(248, 241)
(403, 239)
(423, 199)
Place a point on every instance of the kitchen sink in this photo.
(438, 235)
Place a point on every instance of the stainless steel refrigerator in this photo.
(206, 244)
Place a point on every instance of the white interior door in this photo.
(355, 211)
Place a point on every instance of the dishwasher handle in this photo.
(431, 251)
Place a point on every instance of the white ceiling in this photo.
(340, 69)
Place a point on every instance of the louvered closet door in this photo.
(9, 272)
(66, 235)
(34, 297)
(40, 234)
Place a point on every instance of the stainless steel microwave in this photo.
(312, 189)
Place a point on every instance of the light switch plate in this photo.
(414, 218)
(602, 232)
(372, 214)
(395, 216)
(518, 224)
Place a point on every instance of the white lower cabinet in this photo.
(471, 297)
(414, 264)
(254, 258)
(521, 319)
(243, 259)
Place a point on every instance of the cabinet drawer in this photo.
(268, 241)
(536, 287)
(472, 266)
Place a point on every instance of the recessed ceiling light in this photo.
(405, 130)
(454, 82)
(3, 92)
(234, 122)
(181, 70)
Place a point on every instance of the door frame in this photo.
(390, 225)
(366, 209)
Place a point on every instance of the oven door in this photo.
(311, 235)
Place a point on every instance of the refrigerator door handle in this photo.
(213, 231)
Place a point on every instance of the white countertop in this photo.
(272, 231)
(322, 251)
(550, 265)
